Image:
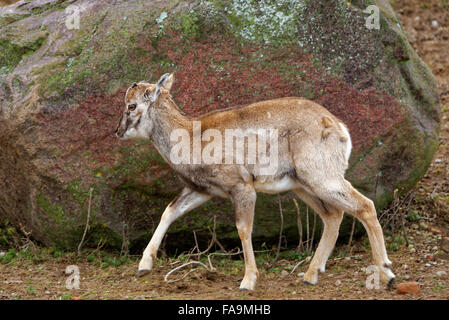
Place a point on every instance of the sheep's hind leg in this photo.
(331, 220)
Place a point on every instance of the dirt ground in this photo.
(424, 259)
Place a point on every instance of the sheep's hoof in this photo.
(143, 272)
(390, 283)
(307, 283)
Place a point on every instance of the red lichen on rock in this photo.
(214, 73)
(83, 136)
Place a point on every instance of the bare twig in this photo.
(395, 214)
(341, 258)
(299, 224)
(182, 266)
(307, 228)
(125, 247)
(175, 262)
(280, 231)
(432, 195)
(404, 230)
(27, 241)
(220, 245)
(212, 268)
(196, 243)
(87, 222)
(313, 232)
(214, 236)
(162, 247)
(307, 259)
(211, 243)
(100, 245)
(352, 234)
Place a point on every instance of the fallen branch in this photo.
(27, 241)
(125, 244)
(280, 231)
(87, 222)
(182, 266)
(211, 243)
(307, 259)
(212, 268)
(352, 234)
(313, 232)
(307, 228)
(299, 224)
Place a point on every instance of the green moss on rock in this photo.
(11, 54)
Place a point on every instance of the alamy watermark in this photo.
(72, 21)
(373, 279)
(73, 281)
(373, 20)
(257, 147)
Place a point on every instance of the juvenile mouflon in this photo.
(313, 149)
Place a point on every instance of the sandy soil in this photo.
(423, 260)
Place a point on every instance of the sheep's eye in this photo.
(132, 107)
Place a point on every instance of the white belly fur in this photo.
(276, 186)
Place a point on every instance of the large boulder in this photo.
(62, 90)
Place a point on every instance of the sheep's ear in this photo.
(169, 82)
(163, 80)
(147, 94)
(161, 83)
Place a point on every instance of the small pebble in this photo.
(441, 273)
(428, 265)
(338, 282)
(424, 225)
(301, 274)
(437, 160)
(445, 244)
(284, 273)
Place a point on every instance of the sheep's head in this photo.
(135, 121)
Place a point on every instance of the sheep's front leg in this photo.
(244, 202)
(186, 201)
